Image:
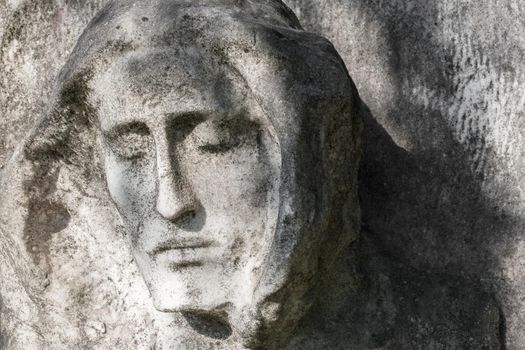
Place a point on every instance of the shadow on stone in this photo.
(208, 324)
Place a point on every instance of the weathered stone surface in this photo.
(223, 142)
(441, 262)
(441, 183)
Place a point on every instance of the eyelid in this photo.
(128, 128)
(129, 141)
(230, 134)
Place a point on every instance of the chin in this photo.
(228, 311)
(189, 291)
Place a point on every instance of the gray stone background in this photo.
(441, 187)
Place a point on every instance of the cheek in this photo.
(130, 185)
(234, 185)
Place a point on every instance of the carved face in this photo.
(191, 166)
(231, 145)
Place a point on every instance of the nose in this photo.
(176, 200)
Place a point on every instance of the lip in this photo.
(181, 245)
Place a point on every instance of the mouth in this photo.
(181, 245)
(179, 254)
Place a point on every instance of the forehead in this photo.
(142, 87)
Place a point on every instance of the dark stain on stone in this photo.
(45, 216)
(44, 219)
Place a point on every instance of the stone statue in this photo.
(223, 141)
(193, 185)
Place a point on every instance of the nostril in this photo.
(176, 202)
(189, 215)
(173, 210)
(185, 217)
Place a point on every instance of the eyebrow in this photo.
(175, 121)
(178, 121)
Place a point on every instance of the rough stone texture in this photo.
(441, 183)
(440, 190)
(229, 141)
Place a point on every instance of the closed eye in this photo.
(227, 136)
(130, 141)
(219, 147)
